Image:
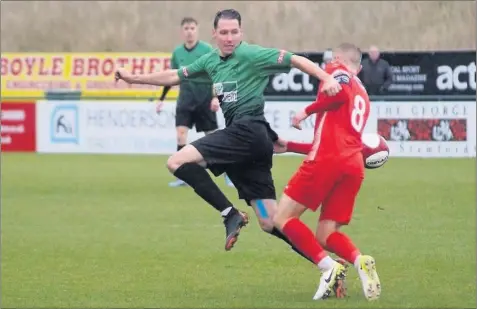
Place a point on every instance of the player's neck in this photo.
(224, 55)
(191, 45)
(349, 68)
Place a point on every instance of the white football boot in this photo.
(331, 280)
(366, 267)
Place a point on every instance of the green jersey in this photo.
(182, 56)
(240, 79)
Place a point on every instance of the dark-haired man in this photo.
(195, 95)
(244, 149)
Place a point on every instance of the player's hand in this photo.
(280, 146)
(214, 104)
(159, 106)
(123, 74)
(331, 86)
(298, 118)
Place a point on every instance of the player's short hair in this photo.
(188, 20)
(227, 14)
(353, 50)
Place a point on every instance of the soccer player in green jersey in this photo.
(244, 149)
(195, 94)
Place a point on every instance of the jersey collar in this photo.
(192, 48)
(233, 53)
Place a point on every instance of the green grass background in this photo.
(103, 231)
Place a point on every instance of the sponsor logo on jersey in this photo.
(226, 91)
(219, 88)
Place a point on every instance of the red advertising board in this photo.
(18, 124)
(424, 130)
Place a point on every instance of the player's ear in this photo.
(360, 68)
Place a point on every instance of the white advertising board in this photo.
(428, 129)
(106, 127)
(413, 129)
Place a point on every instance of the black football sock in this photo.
(179, 147)
(198, 178)
(276, 232)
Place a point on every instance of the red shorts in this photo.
(332, 187)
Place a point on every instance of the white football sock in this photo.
(326, 263)
(356, 262)
(226, 211)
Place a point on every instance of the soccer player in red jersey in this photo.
(331, 176)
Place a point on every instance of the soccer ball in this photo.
(375, 150)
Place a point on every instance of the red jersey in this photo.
(340, 119)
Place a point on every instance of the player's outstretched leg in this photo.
(335, 241)
(336, 211)
(186, 165)
(333, 273)
(178, 182)
(181, 135)
(265, 209)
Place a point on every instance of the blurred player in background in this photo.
(244, 149)
(331, 176)
(195, 95)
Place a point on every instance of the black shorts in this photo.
(243, 150)
(194, 110)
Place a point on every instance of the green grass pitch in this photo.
(103, 231)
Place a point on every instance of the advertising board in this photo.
(17, 126)
(428, 129)
(413, 73)
(413, 129)
(30, 75)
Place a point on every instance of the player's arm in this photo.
(214, 103)
(281, 146)
(272, 60)
(268, 61)
(306, 65)
(167, 77)
(163, 78)
(173, 66)
(301, 148)
(325, 102)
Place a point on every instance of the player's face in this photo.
(344, 58)
(227, 35)
(190, 32)
(340, 57)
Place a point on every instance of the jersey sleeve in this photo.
(195, 69)
(174, 64)
(269, 60)
(325, 102)
(302, 148)
(209, 47)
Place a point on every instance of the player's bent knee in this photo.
(188, 154)
(287, 209)
(172, 164)
(325, 229)
(280, 219)
(266, 225)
